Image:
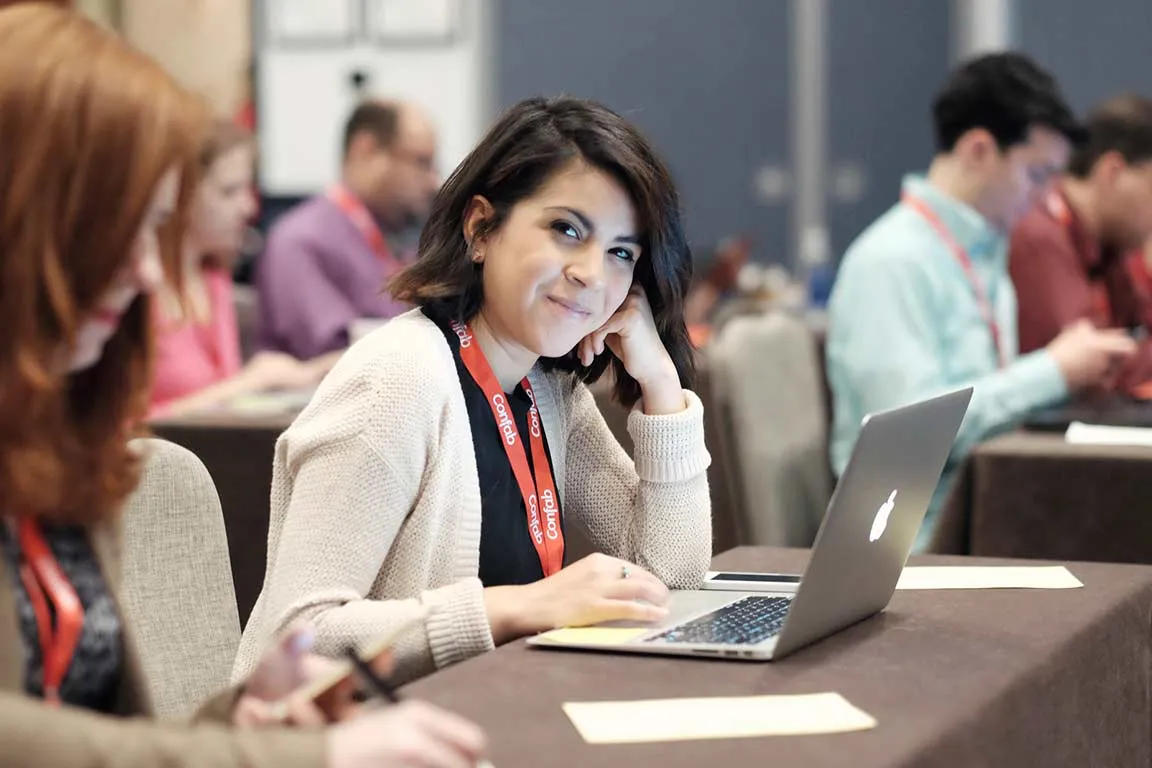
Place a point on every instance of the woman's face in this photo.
(224, 204)
(562, 263)
(142, 274)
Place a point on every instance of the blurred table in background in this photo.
(1113, 410)
(1034, 495)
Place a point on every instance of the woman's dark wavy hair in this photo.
(522, 151)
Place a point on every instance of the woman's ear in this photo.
(478, 212)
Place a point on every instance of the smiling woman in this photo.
(442, 461)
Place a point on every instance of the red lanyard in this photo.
(44, 581)
(546, 534)
(1101, 302)
(986, 311)
(363, 221)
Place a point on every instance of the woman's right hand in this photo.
(594, 590)
(408, 734)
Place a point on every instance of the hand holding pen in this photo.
(434, 738)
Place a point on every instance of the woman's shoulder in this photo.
(409, 338)
(405, 367)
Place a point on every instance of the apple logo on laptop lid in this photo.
(881, 522)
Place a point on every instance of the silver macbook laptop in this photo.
(859, 552)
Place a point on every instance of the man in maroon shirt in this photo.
(1069, 257)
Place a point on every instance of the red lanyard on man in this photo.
(978, 290)
(45, 582)
(362, 219)
(1059, 209)
(543, 516)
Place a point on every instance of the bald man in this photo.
(327, 260)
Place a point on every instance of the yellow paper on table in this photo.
(988, 577)
(592, 635)
(632, 722)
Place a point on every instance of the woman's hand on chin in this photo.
(632, 336)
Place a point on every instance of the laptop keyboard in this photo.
(747, 621)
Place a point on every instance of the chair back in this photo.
(177, 589)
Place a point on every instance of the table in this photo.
(238, 450)
(1033, 495)
(981, 678)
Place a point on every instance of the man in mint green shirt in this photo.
(923, 303)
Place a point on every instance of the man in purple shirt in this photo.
(327, 260)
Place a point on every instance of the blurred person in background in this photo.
(923, 303)
(198, 362)
(95, 139)
(1140, 273)
(327, 261)
(714, 286)
(1070, 257)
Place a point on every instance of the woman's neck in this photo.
(509, 361)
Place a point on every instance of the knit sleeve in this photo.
(348, 477)
(655, 512)
(33, 735)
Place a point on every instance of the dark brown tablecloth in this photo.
(955, 678)
(1033, 495)
(238, 452)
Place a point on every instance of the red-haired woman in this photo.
(93, 137)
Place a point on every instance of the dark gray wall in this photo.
(1096, 48)
(886, 60)
(706, 80)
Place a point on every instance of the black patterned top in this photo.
(93, 678)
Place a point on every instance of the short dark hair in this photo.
(1006, 94)
(1122, 124)
(521, 152)
(379, 118)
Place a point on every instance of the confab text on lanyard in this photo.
(358, 214)
(59, 628)
(539, 492)
(978, 290)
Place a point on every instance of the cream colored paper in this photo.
(1079, 433)
(988, 577)
(630, 722)
(593, 635)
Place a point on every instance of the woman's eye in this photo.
(565, 229)
(623, 254)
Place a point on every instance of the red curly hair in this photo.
(88, 128)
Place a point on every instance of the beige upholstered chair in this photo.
(768, 390)
(177, 593)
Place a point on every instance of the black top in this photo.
(93, 678)
(507, 552)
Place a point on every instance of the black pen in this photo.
(382, 687)
(379, 685)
